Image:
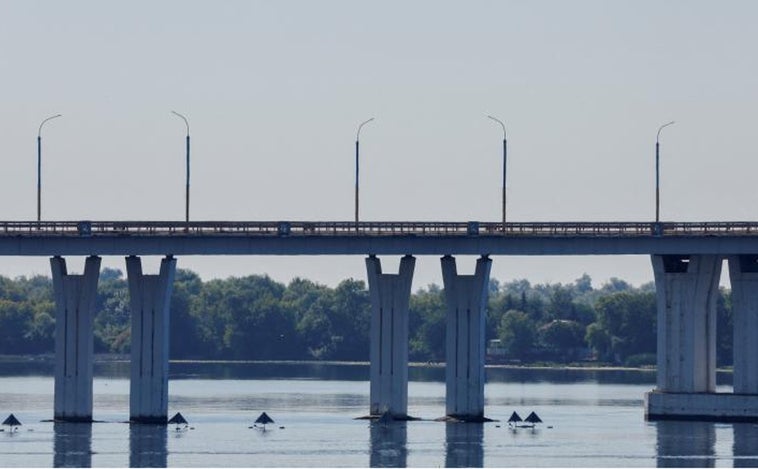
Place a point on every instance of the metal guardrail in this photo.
(341, 228)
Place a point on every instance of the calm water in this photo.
(596, 419)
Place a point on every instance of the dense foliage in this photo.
(257, 318)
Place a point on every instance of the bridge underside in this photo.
(378, 245)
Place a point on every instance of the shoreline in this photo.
(120, 358)
(116, 358)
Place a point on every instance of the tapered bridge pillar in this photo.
(466, 297)
(74, 310)
(743, 274)
(390, 297)
(686, 292)
(149, 298)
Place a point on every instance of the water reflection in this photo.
(148, 445)
(389, 444)
(686, 444)
(745, 447)
(464, 444)
(72, 444)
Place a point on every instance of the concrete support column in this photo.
(149, 298)
(390, 296)
(74, 312)
(466, 297)
(743, 274)
(686, 291)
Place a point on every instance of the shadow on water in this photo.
(686, 444)
(464, 445)
(745, 449)
(388, 444)
(72, 444)
(148, 445)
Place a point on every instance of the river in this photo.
(591, 418)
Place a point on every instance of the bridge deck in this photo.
(327, 228)
(25, 238)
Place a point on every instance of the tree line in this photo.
(257, 318)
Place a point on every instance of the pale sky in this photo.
(274, 92)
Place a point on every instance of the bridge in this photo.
(350, 238)
(687, 259)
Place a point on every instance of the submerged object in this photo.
(263, 419)
(12, 422)
(177, 420)
(533, 418)
(515, 418)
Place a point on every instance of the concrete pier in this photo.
(390, 296)
(686, 291)
(743, 274)
(149, 298)
(466, 297)
(74, 311)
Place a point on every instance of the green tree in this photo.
(16, 318)
(517, 334)
(351, 321)
(599, 340)
(629, 320)
(311, 305)
(112, 322)
(427, 337)
(185, 341)
(724, 329)
(562, 339)
(245, 319)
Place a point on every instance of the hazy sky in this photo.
(274, 92)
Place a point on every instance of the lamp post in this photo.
(187, 193)
(505, 161)
(657, 173)
(39, 166)
(357, 166)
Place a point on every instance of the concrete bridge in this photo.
(686, 258)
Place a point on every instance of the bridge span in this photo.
(687, 259)
(379, 238)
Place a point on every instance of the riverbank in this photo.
(125, 358)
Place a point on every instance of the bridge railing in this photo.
(368, 228)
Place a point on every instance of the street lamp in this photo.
(187, 194)
(357, 156)
(39, 166)
(505, 161)
(657, 172)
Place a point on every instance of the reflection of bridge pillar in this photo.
(149, 298)
(685, 444)
(72, 444)
(390, 296)
(74, 311)
(464, 444)
(745, 446)
(466, 297)
(686, 291)
(148, 445)
(743, 274)
(389, 444)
